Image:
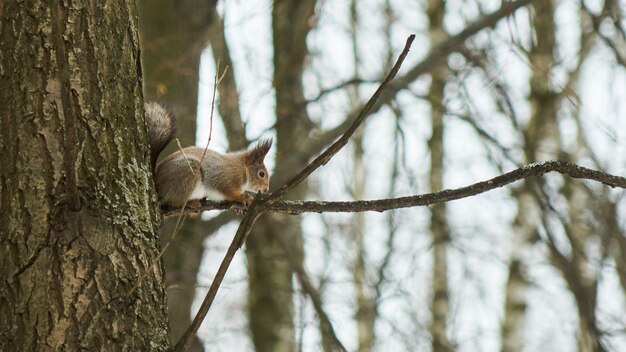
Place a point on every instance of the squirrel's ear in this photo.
(258, 153)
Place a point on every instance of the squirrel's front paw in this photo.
(246, 200)
(194, 204)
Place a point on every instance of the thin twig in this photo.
(193, 172)
(350, 82)
(216, 82)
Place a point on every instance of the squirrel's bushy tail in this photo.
(161, 129)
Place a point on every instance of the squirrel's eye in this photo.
(261, 173)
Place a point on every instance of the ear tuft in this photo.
(259, 151)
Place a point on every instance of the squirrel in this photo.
(194, 173)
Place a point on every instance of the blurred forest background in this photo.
(488, 86)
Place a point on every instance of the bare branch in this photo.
(380, 205)
(348, 83)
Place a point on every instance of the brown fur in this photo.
(174, 180)
(161, 129)
(226, 173)
(177, 175)
(259, 151)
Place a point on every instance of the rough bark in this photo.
(77, 212)
(172, 36)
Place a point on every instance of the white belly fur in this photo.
(202, 191)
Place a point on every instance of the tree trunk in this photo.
(366, 312)
(78, 210)
(541, 142)
(172, 38)
(270, 296)
(440, 306)
(365, 305)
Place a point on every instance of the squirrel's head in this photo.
(258, 177)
